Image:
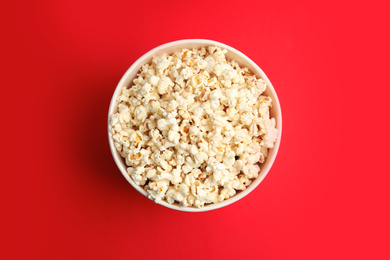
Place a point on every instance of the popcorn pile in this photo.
(194, 127)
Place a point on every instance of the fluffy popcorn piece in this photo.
(134, 158)
(140, 113)
(124, 113)
(270, 137)
(137, 174)
(153, 80)
(173, 195)
(229, 158)
(173, 137)
(164, 84)
(193, 127)
(253, 171)
(158, 189)
(135, 138)
(162, 124)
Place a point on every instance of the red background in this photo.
(326, 196)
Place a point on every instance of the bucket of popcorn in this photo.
(194, 125)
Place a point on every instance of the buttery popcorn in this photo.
(194, 127)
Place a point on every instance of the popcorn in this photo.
(124, 113)
(164, 84)
(135, 138)
(193, 127)
(174, 195)
(229, 158)
(140, 113)
(173, 137)
(162, 124)
(157, 189)
(153, 80)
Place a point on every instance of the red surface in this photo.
(326, 196)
